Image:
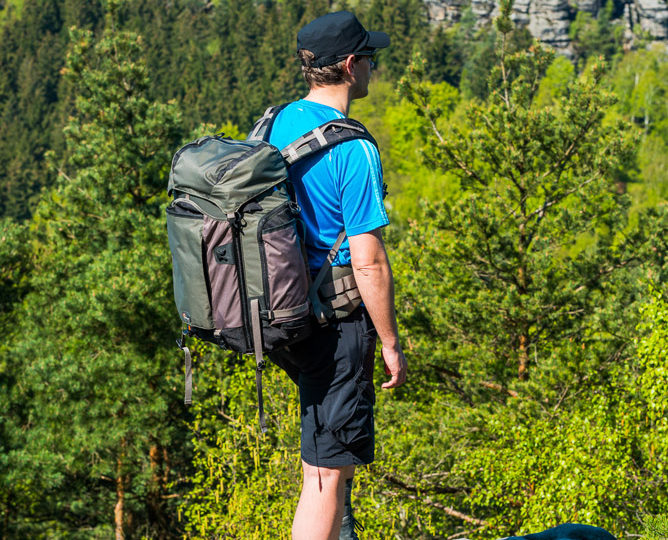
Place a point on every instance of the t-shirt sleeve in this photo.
(361, 187)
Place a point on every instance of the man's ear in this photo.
(350, 64)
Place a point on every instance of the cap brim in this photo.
(378, 40)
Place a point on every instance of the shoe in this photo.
(349, 528)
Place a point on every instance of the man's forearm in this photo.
(374, 281)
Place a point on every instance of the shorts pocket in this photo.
(357, 427)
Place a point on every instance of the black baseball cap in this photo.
(336, 35)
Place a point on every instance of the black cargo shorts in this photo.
(334, 371)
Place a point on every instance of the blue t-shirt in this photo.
(338, 188)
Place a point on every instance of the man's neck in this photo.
(336, 96)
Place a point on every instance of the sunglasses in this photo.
(371, 57)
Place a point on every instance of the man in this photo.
(336, 189)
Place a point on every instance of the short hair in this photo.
(320, 76)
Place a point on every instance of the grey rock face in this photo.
(445, 11)
(653, 17)
(591, 6)
(549, 20)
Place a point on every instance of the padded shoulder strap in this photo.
(262, 127)
(324, 136)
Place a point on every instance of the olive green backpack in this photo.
(241, 279)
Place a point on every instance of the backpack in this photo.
(241, 278)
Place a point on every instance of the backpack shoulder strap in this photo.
(262, 127)
(324, 136)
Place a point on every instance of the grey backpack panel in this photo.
(184, 230)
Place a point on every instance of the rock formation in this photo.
(550, 20)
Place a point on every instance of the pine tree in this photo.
(518, 299)
(99, 431)
(535, 182)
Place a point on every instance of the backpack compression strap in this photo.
(318, 309)
(259, 359)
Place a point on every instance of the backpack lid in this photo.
(224, 174)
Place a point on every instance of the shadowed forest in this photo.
(528, 202)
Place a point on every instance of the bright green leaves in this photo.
(515, 298)
(653, 357)
(95, 331)
(246, 484)
(596, 36)
(118, 130)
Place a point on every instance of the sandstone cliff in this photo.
(549, 20)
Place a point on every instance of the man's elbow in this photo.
(369, 267)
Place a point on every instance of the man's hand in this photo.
(395, 365)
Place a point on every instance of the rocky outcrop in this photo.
(651, 15)
(550, 20)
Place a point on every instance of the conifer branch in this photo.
(500, 388)
(547, 204)
(445, 509)
(433, 489)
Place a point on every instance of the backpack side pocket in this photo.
(223, 263)
(286, 286)
(191, 290)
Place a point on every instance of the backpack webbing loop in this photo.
(259, 360)
(263, 126)
(271, 315)
(187, 398)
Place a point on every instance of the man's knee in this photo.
(327, 475)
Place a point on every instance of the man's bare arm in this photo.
(374, 280)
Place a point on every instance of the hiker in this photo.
(339, 188)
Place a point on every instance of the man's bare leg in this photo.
(320, 509)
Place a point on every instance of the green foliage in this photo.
(510, 296)
(641, 82)
(652, 355)
(556, 83)
(14, 264)
(10, 11)
(481, 55)
(402, 134)
(534, 181)
(406, 23)
(246, 484)
(653, 381)
(560, 469)
(600, 36)
(97, 383)
(656, 528)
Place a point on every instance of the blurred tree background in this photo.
(528, 198)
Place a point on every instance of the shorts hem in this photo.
(342, 461)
